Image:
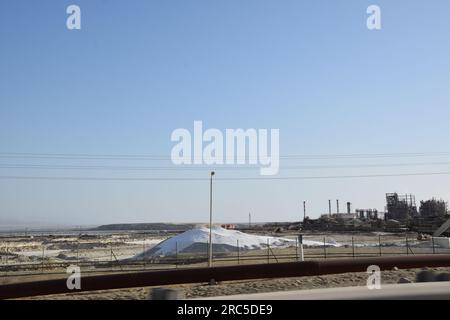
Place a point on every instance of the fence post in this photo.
(7, 257)
(407, 244)
(78, 251)
(238, 250)
(324, 248)
(302, 255)
(143, 252)
(353, 247)
(176, 254)
(379, 243)
(111, 258)
(207, 251)
(43, 257)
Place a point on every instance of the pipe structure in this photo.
(226, 273)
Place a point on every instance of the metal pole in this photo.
(43, 257)
(324, 248)
(238, 250)
(302, 256)
(78, 245)
(296, 249)
(210, 222)
(143, 252)
(268, 251)
(379, 243)
(353, 247)
(111, 258)
(207, 250)
(407, 245)
(176, 254)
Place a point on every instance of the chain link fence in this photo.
(110, 257)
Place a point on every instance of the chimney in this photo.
(337, 206)
(329, 207)
(349, 207)
(304, 210)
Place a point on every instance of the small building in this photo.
(228, 226)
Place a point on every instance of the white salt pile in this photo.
(196, 240)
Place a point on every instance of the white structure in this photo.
(442, 242)
(442, 228)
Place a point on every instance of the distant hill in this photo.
(146, 226)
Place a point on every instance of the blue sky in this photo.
(137, 70)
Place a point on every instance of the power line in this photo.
(202, 167)
(263, 178)
(85, 156)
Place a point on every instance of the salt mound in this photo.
(195, 240)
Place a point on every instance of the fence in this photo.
(109, 258)
(224, 273)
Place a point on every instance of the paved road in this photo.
(428, 290)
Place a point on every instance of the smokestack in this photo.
(329, 207)
(349, 207)
(337, 206)
(304, 210)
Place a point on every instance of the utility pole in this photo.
(300, 240)
(210, 220)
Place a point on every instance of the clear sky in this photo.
(139, 69)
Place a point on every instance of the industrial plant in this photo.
(400, 214)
